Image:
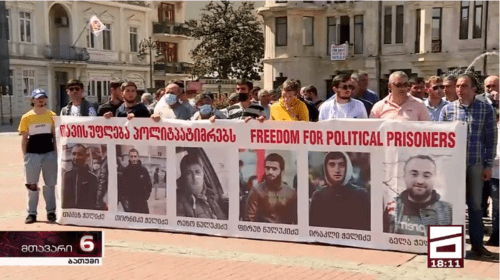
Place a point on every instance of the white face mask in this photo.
(205, 109)
(171, 98)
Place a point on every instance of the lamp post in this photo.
(147, 46)
(218, 81)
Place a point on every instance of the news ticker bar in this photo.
(51, 247)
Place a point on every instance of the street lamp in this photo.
(218, 81)
(146, 46)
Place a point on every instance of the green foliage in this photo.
(232, 41)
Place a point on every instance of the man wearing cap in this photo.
(39, 150)
(109, 108)
(77, 106)
(204, 104)
(169, 106)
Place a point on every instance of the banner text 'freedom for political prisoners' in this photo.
(418, 139)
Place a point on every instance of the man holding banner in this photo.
(481, 151)
(419, 205)
(272, 201)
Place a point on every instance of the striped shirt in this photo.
(481, 129)
(237, 112)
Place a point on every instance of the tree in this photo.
(232, 41)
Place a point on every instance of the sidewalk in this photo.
(135, 254)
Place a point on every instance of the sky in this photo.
(193, 8)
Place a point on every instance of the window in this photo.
(281, 31)
(7, 24)
(169, 50)
(417, 32)
(106, 37)
(133, 39)
(344, 30)
(464, 20)
(25, 26)
(332, 33)
(308, 31)
(99, 87)
(281, 1)
(11, 82)
(436, 29)
(400, 13)
(388, 25)
(478, 19)
(28, 81)
(358, 34)
(166, 12)
(90, 39)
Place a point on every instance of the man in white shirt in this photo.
(342, 106)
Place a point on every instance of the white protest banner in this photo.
(339, 52)
(363, 183)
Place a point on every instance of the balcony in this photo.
(172, 68)
(68, 53)
(171, 28)
(436, 46)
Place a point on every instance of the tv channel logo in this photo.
(445, 246)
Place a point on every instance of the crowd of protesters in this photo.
(448, 98)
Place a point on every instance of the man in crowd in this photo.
(130, 107)
(254, 94)
(169, 106)
(340, 204)
(481, 144)
(450, 91)
(419, 205)
(146, 99)
(435, 102)
(134, 185)
(195, 198)
(273, 201)
(311, 108)
(77, 106)
(158, 95)
(310, 93)
(245, 109)
(265, 101)
(289, 107)
(39, 150)
(363, 94)
(490, 94)
(400, 105)
(417, 88)
(342, 106)
(109, 108)
(205, 109)
(80, 185)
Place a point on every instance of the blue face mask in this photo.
(205, 109)
(171, 98)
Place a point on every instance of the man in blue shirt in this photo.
(368, 97)
(435, 101)
(481, 151)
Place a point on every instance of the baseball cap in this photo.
(234, 96)
(37, 93)
(263, 93)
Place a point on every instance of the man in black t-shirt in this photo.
(131, 108)
(109, 108)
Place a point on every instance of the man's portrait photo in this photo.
(340, 187)
(270, 196)
(417, 203)
(84, 184)
(140, 189)
(202, 183)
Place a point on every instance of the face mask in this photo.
(205, 109)
(242, 97)
(171, 98)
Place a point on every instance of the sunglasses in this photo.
(437, 87)
(345, 87)
(405, 85)
(73, 88)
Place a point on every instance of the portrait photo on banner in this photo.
(339, 190)
(202, 184)
(84, 172)
(142, 179)
(416, 194)
(268, 186)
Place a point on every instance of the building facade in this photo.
(50, 42)
(422, 38)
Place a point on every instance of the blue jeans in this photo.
(47, 164)
(494, 198)
(474, 197)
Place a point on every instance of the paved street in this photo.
(134, 254)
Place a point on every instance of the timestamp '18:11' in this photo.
(439, 263)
